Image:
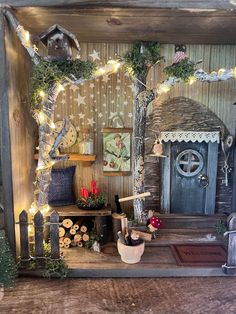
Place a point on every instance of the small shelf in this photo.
(86, 160)
(73, 210)
(78, 157)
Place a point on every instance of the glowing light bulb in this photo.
(221, 71)
(192, 79)
(32, 209)
(41, 117)
(101, 71)
(45, 209)
(115, 65)
(27, 36)
(52, 162)
(60, 87)
(41, 93)
(234, 70)
(164, 88)
(52, 125)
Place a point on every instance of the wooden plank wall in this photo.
(103, 99)
(22, 127)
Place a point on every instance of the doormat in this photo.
(199, 254)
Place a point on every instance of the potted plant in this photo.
(91, 199)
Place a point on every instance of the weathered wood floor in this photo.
(101, 296)
(157, 260)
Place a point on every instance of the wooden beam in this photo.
(6, 143)
(183, 4)
(125, 25)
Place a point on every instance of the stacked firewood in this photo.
(73, 234)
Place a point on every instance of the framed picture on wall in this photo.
(117, 151)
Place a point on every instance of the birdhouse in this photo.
(59, 43)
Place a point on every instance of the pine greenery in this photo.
(8, 267)
(182, 70)
(141, 57)
(55, 268)
(48, 72)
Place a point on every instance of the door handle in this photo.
(203, 180)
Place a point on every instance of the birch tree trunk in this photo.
(142, 99)
(46, 145)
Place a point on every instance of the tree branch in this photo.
(23, 35)
(58, 140)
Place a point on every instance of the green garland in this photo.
(182, 70)
(8, 267)
(141, 57)
(48, 72)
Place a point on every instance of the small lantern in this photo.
(86, 143)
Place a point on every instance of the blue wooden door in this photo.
(188, 180)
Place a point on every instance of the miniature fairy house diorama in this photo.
(113, 117)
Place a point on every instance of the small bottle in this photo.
(86, 143)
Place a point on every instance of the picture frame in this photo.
(117, 149)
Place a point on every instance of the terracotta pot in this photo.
(130, 254)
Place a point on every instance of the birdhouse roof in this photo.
(53, 29)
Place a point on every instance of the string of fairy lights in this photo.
(44, 116)
(199, 75)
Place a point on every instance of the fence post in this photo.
(38, 229)
(230, 267)
(54, 235)
(24, 239)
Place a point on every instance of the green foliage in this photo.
(55, 268)
(46, 248)
(182, 70)
(48, 72)
(141, 57)
(8, 267)
(221, 227)
(93, 236)
(93, 201)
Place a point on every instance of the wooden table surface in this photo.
(73, 210)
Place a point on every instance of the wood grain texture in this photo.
(209, 4)
(73, 210)
(54, 235)
(94, 24)
(21, 126)
(38, 234)
(24, 239)
(7, 184)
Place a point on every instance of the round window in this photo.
(189, 163)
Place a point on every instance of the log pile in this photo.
(73, 234)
